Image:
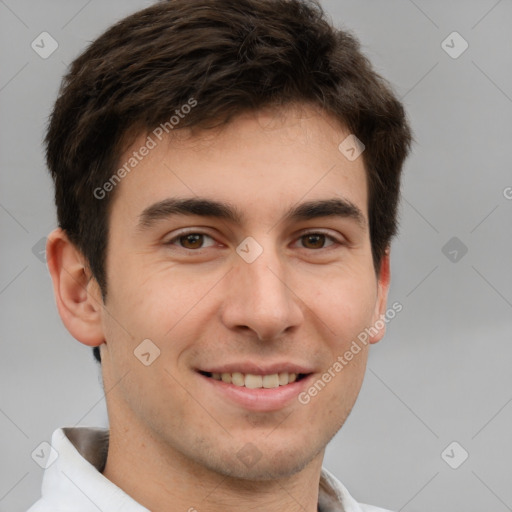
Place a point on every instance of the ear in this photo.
(77, 294)
(378, 324)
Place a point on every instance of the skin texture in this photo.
(173, 439)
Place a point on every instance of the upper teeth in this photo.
(256, 381)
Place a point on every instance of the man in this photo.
(227, 175)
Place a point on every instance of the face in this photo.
(246, 281)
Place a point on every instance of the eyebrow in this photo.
(337, 207)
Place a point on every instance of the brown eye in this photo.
(317, 240)
(313, 240)
(192, 241)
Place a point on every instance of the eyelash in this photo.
(186, 233)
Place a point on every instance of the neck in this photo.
(156, 475)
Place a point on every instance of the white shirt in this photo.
(73, 481)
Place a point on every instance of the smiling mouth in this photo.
(252, 381)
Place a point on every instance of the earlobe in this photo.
(77, 295)
(379, 325)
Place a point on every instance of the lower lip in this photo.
(259, 399)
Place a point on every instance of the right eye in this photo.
(191, 240)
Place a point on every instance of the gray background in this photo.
(441, 374)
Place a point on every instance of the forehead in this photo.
(262, 160)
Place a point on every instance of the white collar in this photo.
(75, 480)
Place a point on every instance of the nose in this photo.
(261, 298)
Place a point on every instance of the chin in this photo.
(263, 462)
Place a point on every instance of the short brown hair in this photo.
(231, 56)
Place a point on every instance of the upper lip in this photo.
(258, 369)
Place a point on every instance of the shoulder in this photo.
(333, 494)
(371, 508)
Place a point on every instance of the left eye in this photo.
(194, 240)
(317, 240)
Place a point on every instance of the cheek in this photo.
(346, 305)
(159, 305)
